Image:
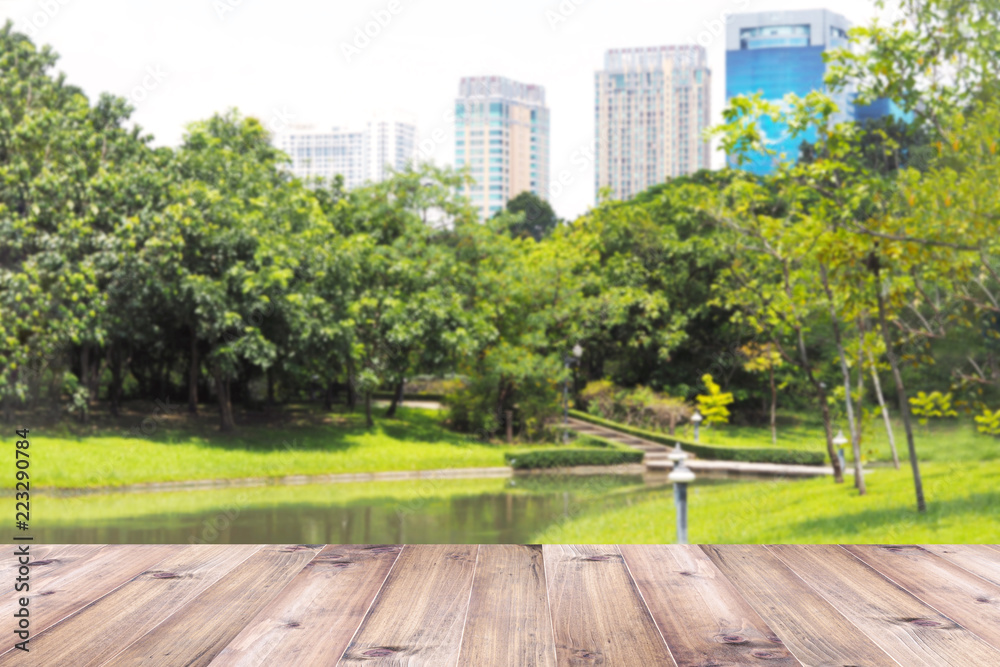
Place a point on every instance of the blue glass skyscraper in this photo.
(777, 53)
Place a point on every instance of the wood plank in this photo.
(199, 630)
(983, 560)
(109, 624)
(598, 616)
(508, 621)
(51, 559)
(811, 628)
(418, 616)
(62, 586)
(955, 592)
(702, 617)
(313, 619)
(903, 626)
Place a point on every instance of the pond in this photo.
(443, 511)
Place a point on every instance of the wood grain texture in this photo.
(110, 623)
(983, 560)
(702, 617)
(313, 619)
(598, 616)
(811, 628)
(62, 585)
(508, 621)
(960, 595)
(46, 562)
(195, 634)
(418, 616)
(903, 626)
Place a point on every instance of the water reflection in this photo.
(449, 511)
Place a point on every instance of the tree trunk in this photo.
(904, 406)
(114, 391)
(85, 368)
(328, 396)
(885, 410)
(859, 478)
(858, 406)
(270, 389)
(774, 404)
(193, 375)
(352, 392)
(369, 422)
(397, 398)
(226, 422)
(838, 472)
(509, 419)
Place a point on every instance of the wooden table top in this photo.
(507, 605)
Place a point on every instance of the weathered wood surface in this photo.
(225, 605)
(812, 629)
(419, 614)
(508, 621)
(314, 618)
(702, 617)
(63, 583)
(960, 595)
(903, 626)
(591, 626)
(103, 628)
(208, 623)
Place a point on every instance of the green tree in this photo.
(538, 221)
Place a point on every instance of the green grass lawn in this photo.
(963, 507)
(414, 440)
(948, 440)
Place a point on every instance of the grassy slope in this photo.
(415, 440)
(963, 506)
(949, 440)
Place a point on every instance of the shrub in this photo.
(711, 452)
(599, 396)
(713, 405)
(988, 422)
(562, 458)
(934, 405)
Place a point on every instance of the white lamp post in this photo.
(839, 441)
(569, 360)
(680, 476)
(696, 419)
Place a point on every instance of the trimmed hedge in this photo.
(711, 452)
(387, 396)
(564, 458)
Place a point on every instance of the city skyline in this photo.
(360, 153)
(651, 106)
(182, 62)
(502, 137)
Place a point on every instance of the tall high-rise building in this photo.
(776, 53)
(651, 107)
(360, 153)
(502, 136)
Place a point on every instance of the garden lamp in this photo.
(696, 419)
(569, 360)
(680, 476)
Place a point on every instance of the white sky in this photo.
(286, 59)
